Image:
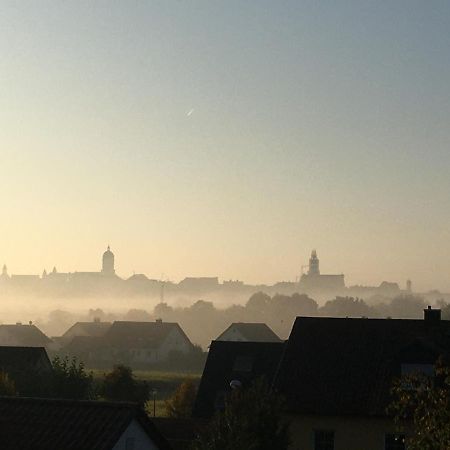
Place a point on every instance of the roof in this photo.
(26, 335)
(38, 424)
(93, 328)
(346, 366)
(253, 332)
(149, 334)
(19, 359)
(227, 361)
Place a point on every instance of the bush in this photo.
(121, 385)
(7, 386)
(252, 420)
(181, 403)
(70, 380)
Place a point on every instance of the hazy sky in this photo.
(227, 138)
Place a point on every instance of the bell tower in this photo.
(314, 264)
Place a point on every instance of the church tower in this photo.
(108, 263)
(314, 264)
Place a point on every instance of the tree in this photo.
(121, 385)
(421, 409)
(345, 306)
(182, 401)
(7, 386)
(251, 420)
(258, 302)
(70, 379)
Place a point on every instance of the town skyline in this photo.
(100, 269)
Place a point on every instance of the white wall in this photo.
(135, 433)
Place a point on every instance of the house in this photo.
(336, 376)
(146, 342)
(248, 332)
(134, 343)
(23, 335)
(28, 367)
(38, 424)
(95, 328)
(228, 361)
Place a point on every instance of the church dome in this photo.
(108, 253)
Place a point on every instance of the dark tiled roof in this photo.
(81, 344)
(149, 334)
(88, 328)
(227, 361)
(346, 366)
(38, 424)
(26, 335)
(253, 332)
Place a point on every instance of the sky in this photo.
(227, 138)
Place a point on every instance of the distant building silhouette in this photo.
(313, 280)
(108, 262)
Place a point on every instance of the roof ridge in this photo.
(68, 401)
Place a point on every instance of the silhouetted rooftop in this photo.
(38, 424)
(227, 361)
(346, 366)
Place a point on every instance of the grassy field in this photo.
(165, 383)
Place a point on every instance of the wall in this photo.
(351, 433)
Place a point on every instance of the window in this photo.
(394, 442)
(323, 440)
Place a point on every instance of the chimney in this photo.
(432, 316)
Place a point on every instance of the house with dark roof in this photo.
(134, 343)
(336, 376)
(241, 362)
(43, 424)
(248, 332)
(28, 367)
(23, 335)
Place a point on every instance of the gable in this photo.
(135, 438)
